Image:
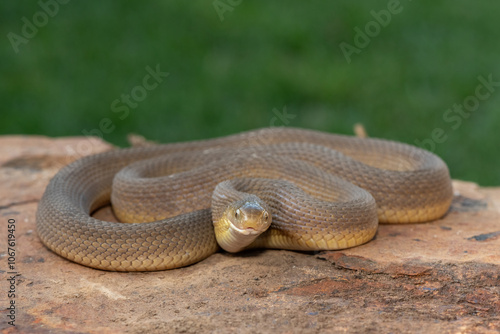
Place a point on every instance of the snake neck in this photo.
(231, 238)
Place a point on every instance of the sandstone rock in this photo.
(441, 277)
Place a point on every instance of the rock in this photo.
(441, 277)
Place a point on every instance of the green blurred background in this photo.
(236, 65)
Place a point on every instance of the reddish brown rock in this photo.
(441, 277)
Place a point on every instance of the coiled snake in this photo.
(277, 188)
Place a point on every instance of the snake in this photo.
(279, 188)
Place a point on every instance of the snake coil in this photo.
(177, 201)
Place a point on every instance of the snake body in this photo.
(323, 191)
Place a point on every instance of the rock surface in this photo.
(439, 277)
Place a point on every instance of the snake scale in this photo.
(281, 188)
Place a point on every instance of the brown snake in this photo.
(276, 188)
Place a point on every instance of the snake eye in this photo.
(266, 216)
(237, 213)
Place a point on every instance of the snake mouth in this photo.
(246, 230)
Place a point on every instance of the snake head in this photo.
(243, 220)
(249, 218)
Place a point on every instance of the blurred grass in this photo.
(228, 76)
